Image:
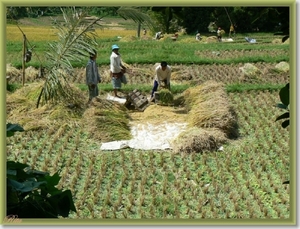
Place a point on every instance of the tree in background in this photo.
(170, 19)
(167, 19)
(197, 19)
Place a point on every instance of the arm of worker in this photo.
(158, 77)
(168, 75)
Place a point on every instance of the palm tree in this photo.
(76, 38)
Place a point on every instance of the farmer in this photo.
(219, 34)
(144, 31)
(92, 76)
(158, 35)
(231, 30)
(162, 77)
(117, 70)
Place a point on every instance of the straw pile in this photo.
(156, 114)
(250, 73)
(209, 108)
(198, 140)
(106, 121)
(211, 119)
(212, 39)
(12, 73)
(103, 120)
(21, 108)
(15, 74)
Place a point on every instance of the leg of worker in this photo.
(154, 89)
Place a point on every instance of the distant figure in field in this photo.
(198, 36)
(158, 35)
(231, 31)
(219, 34)
(144, 32)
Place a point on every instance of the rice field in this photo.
(241, 181)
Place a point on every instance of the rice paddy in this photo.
(240, 179)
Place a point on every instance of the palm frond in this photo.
(76, 38)
(136, 15)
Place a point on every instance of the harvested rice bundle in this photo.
(198, 140)
(209, 108)
(104, 114)
(23, 101)
(31, 73)
(165, 97)
(12, 73)
(206, 91)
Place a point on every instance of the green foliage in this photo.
(12, 87)
(249, 87)
(12, 128)
(32, 193)
(284, 95)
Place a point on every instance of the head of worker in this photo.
(163, 65)
(115, 48)
(93, 54)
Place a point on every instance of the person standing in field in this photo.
(92, 76)
(231, 30)
(144, 31)
(162, 78)
(219, 34)
(117, 70)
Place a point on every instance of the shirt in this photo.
(115, 63)
(92, 74)
(161, 75)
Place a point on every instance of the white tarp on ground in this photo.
(148, 137)
(113, 98)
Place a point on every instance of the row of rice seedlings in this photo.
(266, 160)
(65, 174)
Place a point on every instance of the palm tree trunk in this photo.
(138, 32)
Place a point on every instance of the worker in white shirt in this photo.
(162, 77)
(158, 35)
(117, 70)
